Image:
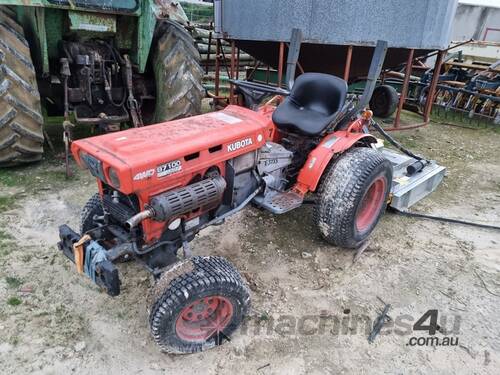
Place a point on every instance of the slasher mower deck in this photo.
(158, 186)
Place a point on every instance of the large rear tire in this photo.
(178, 74)
(197, 304)
(352, 197)
(21, 134)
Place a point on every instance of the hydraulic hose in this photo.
(395, 143)
(414, 168)
(420, 164)
(444, 219)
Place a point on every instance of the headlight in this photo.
(113, 177)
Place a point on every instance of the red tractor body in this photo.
(150, 160)
(160, 185)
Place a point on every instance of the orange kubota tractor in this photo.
(158, 186)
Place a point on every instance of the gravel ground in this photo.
(312, 306)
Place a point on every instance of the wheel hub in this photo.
(371, 204)
(204, 318)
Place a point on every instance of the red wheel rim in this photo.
(371, 204)
(204, 318)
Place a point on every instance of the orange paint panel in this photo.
(157, 158)
(334, 143)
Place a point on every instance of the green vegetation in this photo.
(5, 240)
(14, 301)
(13, 282)
(198, 13)
(6, 202)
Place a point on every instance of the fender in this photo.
(333, 144)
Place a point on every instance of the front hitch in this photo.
(91, 259)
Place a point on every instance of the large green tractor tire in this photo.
(178, 74)
(21, 134)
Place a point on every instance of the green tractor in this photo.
(97, 63)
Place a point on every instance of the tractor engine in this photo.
(96, 81)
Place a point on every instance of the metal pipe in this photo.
(404, 89)
(242, 205)
(280, 63)
(293, 57)
(348, 60)
(209, 47)
(238, 63)
(138, 218)
(217, 70)
(373, 74)
(433, 85)
(232, 70)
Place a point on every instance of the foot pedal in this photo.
(279, 203)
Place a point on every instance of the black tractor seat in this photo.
(314, 103)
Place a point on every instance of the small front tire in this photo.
(197, 304)
(92, 208)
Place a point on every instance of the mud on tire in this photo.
(92, 208)
(21, 134)
(352, 197)
(178, 74)
(197, 304)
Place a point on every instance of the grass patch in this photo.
(6, 202)
(14, 301)
(13, 282)
(5, 239)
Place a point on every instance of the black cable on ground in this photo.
(444, 219)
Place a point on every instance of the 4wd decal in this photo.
(169, 168)
(143, 175)
(239, 144)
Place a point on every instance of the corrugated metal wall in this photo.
(421, 24)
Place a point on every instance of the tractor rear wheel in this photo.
(178, 74)
(352, 197)
(21, 134)
(197, 304)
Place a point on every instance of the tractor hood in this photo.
(168, 153)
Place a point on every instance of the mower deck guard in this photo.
(103, 273)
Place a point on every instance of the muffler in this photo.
(204, 195)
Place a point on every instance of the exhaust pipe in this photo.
(138, 218)
(205, 194)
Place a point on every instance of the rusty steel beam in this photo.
(217, 69)
(207, 64)
(404, 89)
(348, 60)
(231, 72)
(433, 85)
(280, 63)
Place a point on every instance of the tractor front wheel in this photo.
(92, 208)
(197, 304)
(178, 74)
(352, 197)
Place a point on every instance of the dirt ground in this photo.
(53, 321)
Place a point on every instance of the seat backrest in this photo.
(319, 92)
